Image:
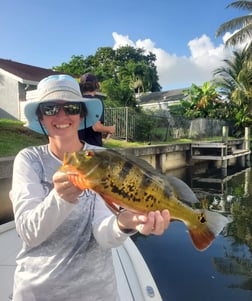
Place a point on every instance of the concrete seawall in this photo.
(6, 164)
(164, 157)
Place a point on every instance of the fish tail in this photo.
(211, 224)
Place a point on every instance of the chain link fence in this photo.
(150, 127)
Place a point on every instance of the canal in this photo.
(224, 270)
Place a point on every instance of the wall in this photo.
(9, 95)
(162, 157)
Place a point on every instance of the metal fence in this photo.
(161, 128)
(124, 119)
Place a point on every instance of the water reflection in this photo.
(6, 213)
(224, 270)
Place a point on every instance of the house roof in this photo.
(171, 95)
(25, 73)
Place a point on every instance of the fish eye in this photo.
(89, 154)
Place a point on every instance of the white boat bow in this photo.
(135, 281)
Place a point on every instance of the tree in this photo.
(74, 67)
(201, 101)
(243, 24)
(227, 76)
(122, 72)
(235, 82)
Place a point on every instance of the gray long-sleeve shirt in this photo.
(66, 253)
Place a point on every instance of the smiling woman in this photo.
(67, 91)
(68, 232)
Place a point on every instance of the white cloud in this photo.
(181, 71)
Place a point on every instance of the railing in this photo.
(124, 119)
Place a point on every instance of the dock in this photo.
(224, 150)
(216, 151)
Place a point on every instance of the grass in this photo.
(14, 137)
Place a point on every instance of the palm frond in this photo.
(240, 22)
(246, 5)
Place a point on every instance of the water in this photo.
(6, 213)
(224, 270)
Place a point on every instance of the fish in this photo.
(129, 182)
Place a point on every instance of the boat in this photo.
(135, 281)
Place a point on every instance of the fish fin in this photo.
(110, 203)
(79, 181)
(203, 235)
(74, 175)
(182, 190)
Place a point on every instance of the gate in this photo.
(124, 120)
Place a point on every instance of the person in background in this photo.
(67, 234)
(93, 134)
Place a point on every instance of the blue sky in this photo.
(181, 34)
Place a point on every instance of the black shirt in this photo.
(88, 134)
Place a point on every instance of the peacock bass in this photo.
(131, 183)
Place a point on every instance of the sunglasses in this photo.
(52, 108)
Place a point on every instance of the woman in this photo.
(67, 234)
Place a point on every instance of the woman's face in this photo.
(62, 123)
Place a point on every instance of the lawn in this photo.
(15, 136)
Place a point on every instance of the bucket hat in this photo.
(60, 87)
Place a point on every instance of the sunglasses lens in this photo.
(52, 109)
(49, 109)
(72, 108)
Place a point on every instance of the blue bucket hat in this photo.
(60, 87)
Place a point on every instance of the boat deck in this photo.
(135, 281)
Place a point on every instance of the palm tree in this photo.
(235, 82)
(243, 24)
(228, 75)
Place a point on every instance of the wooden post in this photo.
(247, 144)
(160, 162)
(224, 140)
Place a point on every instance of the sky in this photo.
(47, 33)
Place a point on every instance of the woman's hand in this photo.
(65, 189)
(154, 222)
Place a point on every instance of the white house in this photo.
(15, 80)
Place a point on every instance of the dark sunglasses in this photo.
(52, 108)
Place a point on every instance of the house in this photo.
(156, 101)
(16, 79)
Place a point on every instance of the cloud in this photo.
(181, 71)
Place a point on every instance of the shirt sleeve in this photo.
(37, 215)
(105, 226)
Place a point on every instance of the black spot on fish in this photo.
(146, 181)
(167, 190)
(125, 192)
(125, 170)
(202, 218)
(150, 200)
